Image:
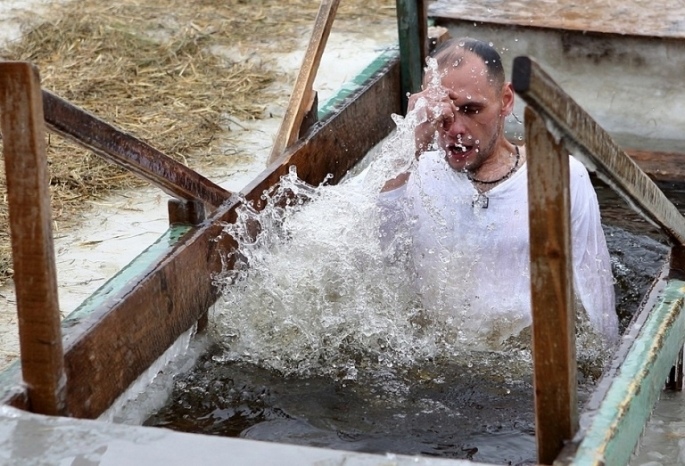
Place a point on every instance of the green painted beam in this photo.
(412, 27)
(615, 428)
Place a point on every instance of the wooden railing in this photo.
(79, 366)
(131, 153)
(555, 125)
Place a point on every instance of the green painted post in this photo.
(412, 24)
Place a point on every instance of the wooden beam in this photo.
(551, 275)
(136, 316)
(30, 215)
(412, 25)
(592, 145)
(301, 97)
(134, 155)
(652, 20)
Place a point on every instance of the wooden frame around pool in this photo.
(80, 366)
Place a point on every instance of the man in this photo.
(465, 207)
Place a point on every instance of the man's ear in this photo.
(507, 99)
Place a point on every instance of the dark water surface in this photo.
(445, 410)
(477, 408)
(467, 410)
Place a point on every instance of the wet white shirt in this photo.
(472, 263)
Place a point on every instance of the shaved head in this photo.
(450, 53)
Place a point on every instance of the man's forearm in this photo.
(397, 182)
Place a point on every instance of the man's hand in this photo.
(434, 111)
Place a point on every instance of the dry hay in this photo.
(149, 69)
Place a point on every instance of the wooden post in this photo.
(186, 212)
(554, 355)
(35, 278)
(412, 25)
(659, 340)
(189, 213)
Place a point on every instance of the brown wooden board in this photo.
(301, 98)
(35, 277)
(595, 147)
(551, 277)
(106, 350)
(124, 150)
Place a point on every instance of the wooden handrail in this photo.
(131, 153)
(556, 125)
(595, 147)
(117, 333)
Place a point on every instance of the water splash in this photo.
(319, 289)
(318, 294)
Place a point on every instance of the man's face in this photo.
(471, 137)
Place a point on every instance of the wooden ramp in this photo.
(660, 18)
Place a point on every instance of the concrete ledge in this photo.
(27, 438)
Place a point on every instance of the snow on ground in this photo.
(120, 227)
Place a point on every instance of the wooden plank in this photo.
(657, 18)
(412, 26)
(112, 340)
(30, 215)
(124, 150)
(301, 97)
(551, 276)
(595, 147)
